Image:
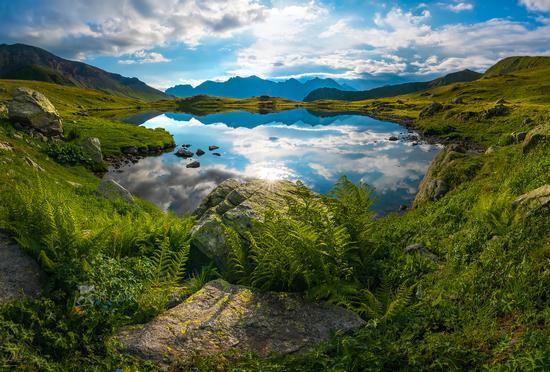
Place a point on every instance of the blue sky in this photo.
(187, 41)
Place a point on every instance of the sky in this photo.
(188, 41)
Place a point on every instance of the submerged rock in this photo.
(238, 205)
(216, 154)
(193, 164)
(111, 189)
(32, 109)
(184, 153)
(223, 317)
(533, 200)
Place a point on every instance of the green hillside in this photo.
(513, 64)
(25, 62)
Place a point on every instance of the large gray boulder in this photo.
(238, 205)
(533, 200)
(222, 317)
(32, 109)
(111, 189)
(92, 148)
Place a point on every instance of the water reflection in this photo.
(293, 145)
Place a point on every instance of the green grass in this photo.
(483, 304)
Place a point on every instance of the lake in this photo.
(298, 144)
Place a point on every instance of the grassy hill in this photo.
(25, 62)
(512, 64)
(391, 90)
(480, 302)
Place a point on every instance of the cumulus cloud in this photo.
(537, 5)
(400, 42)
(141, 57)
(78, 28)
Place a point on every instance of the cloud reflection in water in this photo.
(317, 154)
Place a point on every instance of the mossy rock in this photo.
(222, 317)
(238, 205)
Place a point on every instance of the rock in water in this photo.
(533, 200)
(216, 154)
(193, 164)
(184, 153)
(199, 152)
(222, 317)
(92, 148)
(212, 148)
(34, 110)
(111, 189)
(238, 205)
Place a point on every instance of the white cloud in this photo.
(537, 5)
(141, 57)
(459, 6)
(78, 28)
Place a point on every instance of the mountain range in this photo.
(391, 90)
(25, 62)
(253, 86)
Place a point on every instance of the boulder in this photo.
(200, 152)
(20, 275)
(32, 109)
(458, 100)
(111, 189)
(439, 178)
(492, 149)
(213, 147)
(527, 121)
(184, 153)
(393, 138)
(193, 164)
(535, 136)
(497, 110)
(238, 205)
(432, 109)
(92, 148)
(421, 250)
(222, 317)
(533, 200)
(518, 137)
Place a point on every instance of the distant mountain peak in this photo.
(251, 86)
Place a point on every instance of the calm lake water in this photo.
(294, 145)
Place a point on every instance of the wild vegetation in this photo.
(480, 300)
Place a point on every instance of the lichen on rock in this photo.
(222, 317)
